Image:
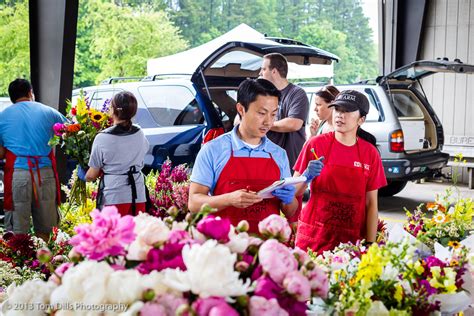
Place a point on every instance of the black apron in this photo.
(119, 130)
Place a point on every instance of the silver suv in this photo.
(409, 134)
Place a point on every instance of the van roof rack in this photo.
(311, 83)
(115, 79)
(165, 76)
(367, 81)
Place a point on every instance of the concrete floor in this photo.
(391, 208)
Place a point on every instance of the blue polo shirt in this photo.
(25, 129)
(214, 155)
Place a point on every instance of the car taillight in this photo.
(396, 141)
(212, 133)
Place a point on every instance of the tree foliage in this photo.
(14, 43)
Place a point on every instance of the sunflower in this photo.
(454, 244)
(98, 117)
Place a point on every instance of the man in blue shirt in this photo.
(230, 169)
(31, 182)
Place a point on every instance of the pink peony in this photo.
(275, 226)
(260, 306)
(58, 129)
(276, 260)
(215, 227)
(296, 284)
(59, 272)
(318, 280)
(165, 304)
(153, 309)
(168, 256)
(107, 235)
(300, 255)
(213, 306)
(267, 288)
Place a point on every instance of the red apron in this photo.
(33, 161)
(335, 212)
(254, 174)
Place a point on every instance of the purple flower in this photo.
(432, 261)
(267, 288)
(107, 235)
(276, 259)
(168, 257)
(424, 284)
(213, 306)
(179, 174)
(215, 227)
(292, 306)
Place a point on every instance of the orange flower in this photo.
(73, 128)
(435, 206)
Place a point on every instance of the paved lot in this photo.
(391, 208)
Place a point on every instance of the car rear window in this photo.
(98, 98)
(406, 105)
(171, 105)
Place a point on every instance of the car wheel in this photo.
(392, 188)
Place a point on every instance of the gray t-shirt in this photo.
(115, 155)
(293, 103)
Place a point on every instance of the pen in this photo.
(314, 153)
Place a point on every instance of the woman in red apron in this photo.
(234, 191)
(343, 201)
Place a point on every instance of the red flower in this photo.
(73, 111)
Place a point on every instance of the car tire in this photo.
(392, 188)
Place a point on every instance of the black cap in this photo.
(352, 100)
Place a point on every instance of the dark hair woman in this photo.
(343, 204)
(119, 152)
(322, 100)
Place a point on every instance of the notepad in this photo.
(267, 192)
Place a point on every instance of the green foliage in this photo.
(14, 43)
(118, 40)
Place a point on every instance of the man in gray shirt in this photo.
(288, 131)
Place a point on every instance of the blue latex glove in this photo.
(81, 173)
(285, 194)
(314, 169)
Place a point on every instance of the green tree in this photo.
(14, 45)
(118, 40)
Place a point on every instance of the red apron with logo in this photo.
(335, 212)
(33, 161)
(253, 174)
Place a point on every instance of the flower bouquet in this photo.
(392, 279)
(76, 136)
(169, 188)
(450, 221)
(145, 265)
(18, 260)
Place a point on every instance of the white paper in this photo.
(398, 233)
(453, 303)
(267, 192)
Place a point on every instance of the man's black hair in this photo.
(250, 89)
(19, 88)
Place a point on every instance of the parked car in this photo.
(409, 134)
(179, 112)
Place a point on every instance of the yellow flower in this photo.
(398, 293)
(419, 268)
(454, 244)
(97, 116)
(81, 108)
(370, 266)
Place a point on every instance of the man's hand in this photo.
(243, 198)
(285, 194)
(314, 169)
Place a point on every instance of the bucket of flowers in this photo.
(76, 136)
(392, 279)
(169, 190)
(145, 265)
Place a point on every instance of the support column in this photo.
(53, 31)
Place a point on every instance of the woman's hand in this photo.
(314, 169)
(313, 129)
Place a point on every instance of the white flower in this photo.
(34, 292)
(377, 308)
(238, 243)
(149, 230)
(210, 272)
(179, 226)
(155, 281)
(124, 287)
(133, 310)
(389, 273)
(86, 283)
(62, 237)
